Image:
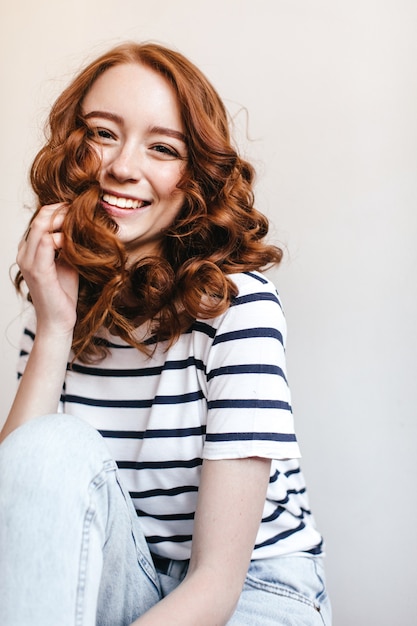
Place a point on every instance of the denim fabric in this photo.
(72, 552)
(285, 591)
(68, 546)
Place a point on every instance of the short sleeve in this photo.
(249, 402)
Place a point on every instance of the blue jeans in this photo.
(72, 552)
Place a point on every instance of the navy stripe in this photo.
(175, 491)
(274, 477)
(252, 368)
(173, 539)
(146, 371)
(292, 492)
(183, 364)
(291, 472)
(280, 509)
(280, 536)
(29, 333)
(264, 281)
(287, 474)
(179, 399)
(136, 404)
(169, 517)
(256, 297)
(250, 436)
(116, 373)
(157, 433)
(137, 465)
(247, 333)
(202, 327)
(127, 404)
(261, 279)
(249, 404)
(304, 512)
(275, 515)
(318, 549)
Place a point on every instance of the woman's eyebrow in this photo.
(170, 132)
(104, 114)
(153, 130)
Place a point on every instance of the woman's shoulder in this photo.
(256, 304)
(255, 284)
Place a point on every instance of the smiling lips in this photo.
(124, 203)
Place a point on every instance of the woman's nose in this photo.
(126, 165)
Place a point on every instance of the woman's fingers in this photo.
(48, 219)
(53, 284)
(43, 236)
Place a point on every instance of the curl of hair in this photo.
(217, 233)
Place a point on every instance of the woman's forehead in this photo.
(134, 89)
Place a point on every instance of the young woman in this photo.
(165, 489)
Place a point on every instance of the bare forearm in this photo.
(229, 511)
(41, 385)
(203, 598)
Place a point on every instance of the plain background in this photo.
(324, 98)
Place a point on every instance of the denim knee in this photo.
(55, 439)
(66, 527)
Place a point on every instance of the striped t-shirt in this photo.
(219, 392)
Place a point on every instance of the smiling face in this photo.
(135, 120)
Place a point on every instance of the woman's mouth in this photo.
(123, 203)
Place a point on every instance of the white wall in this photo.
(331, 91)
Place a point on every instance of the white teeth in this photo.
(123, 203)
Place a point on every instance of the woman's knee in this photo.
(53, 444)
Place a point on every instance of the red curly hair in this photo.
(218, 231)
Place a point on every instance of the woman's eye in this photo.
(104, 134)
(100, 133)
(165, 150)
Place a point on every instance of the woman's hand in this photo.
(52, 283)
(53, 287)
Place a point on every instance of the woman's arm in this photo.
(53, 286)
(230, 503)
